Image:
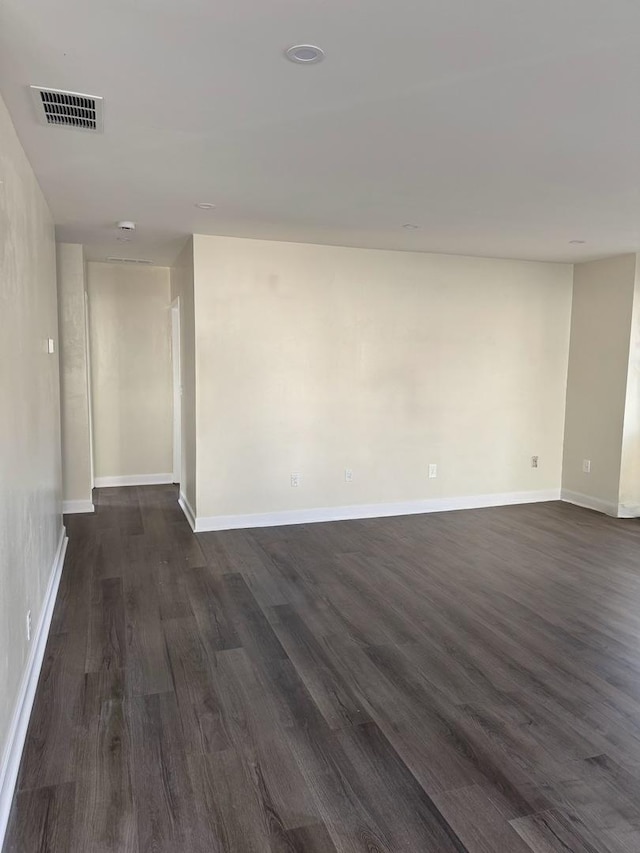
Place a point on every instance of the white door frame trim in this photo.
(176, 373)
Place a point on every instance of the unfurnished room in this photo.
(319, 426)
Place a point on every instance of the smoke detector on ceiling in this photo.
(68, 109)
(126, 225)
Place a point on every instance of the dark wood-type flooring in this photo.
(467, 681)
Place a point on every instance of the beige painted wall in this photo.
(129, 331)
(313, 359)
(629, 497)
(74, 379)
(30, 476)
(182, 288)
(601, 316)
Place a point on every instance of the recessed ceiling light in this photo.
(205, 205)
(577, 242)
(304, 54)
(410, 227)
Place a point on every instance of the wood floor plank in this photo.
(71, 612)
(305, 839)
(196, 686)
(107, 644)
(478, 823)
(165, 810)
(110, 560)
(349, 815)
(241, 553)
(212, 610)
(329, 690)
(173, 595)
(250, 622)
(227, 805)
(49, 756)
(550, 831)
(148, 669)
(42, 820)
(413, 818)
(118, 508)
(257, 729)
(105, 818)
(187, 547)
(436, 742)
(606, 798)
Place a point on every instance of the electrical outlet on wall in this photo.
(586, 466)
(433, 470)
(534, 461)
(296, 479)
(348, 475)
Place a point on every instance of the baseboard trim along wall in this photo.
(344, 513)
(187, 509)
(71, 507)
(626, 511)
(20, 721)
(589, 502)
(134, 480)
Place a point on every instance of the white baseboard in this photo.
(187, 509)
(589, 502)
(134, 480)
(628, 511)
(343, 513)
(24, 703)
(71, 507)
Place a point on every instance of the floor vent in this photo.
(68, 109)
(128, 261)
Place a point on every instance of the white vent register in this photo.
(68, 109)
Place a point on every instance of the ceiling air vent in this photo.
(68, 109)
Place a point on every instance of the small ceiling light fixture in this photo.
(205, 205)
(577, 242)
(411, 227)
(304, 54)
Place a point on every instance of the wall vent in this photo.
(128, 261)
(68, 109)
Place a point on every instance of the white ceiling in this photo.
(502, 127)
